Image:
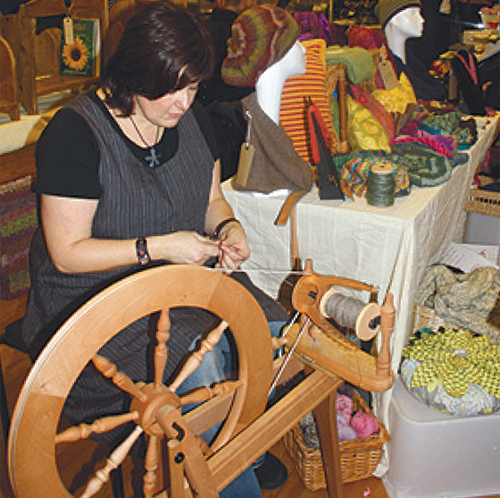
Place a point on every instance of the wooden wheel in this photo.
(33, 439)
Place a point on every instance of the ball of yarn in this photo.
(344, 430)
(344, 405)
(364, 424)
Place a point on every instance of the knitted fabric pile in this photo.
(462, 300)
(453, 371)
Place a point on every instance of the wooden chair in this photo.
(337, 80)
(19, 30)
(119, 14)
(9, 102)
(248, 429)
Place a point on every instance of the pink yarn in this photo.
(411, 128)
(425, 140)
(449, 143)
(365, 424)
(344, 430)
(344, 405)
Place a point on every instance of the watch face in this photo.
(142, 251)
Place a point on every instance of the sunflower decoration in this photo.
(76, 55)
(454, 365)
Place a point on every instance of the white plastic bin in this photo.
(434, 455)
(482, 229)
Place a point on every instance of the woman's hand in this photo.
(183, 248)
(234, 250)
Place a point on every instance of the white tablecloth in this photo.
(385, 247)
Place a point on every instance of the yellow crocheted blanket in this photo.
(455, 358)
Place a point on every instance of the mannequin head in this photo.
(408, 23)
(400, 19)
(385, 10)
(270, 83)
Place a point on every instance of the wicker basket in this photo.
(483, 202)
(427, 318)
(359, 458)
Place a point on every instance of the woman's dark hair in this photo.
(160, 40)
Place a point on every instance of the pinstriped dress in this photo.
(135, 201)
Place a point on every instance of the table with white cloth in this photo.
(389, 248)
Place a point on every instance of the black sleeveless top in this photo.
(134, 201)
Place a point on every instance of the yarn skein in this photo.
(352, 313)
(381, 186)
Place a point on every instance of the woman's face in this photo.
(167, 110)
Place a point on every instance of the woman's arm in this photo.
(234, 249)
(67, 225)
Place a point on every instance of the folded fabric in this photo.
(413, 128)
(426, 140)
(358, 62)
(275, 164)
(368, 101)
(364, 130)
(370, 38)
(425, 167)
(355, 173)
(313, 25)
(397, 99)
(452, 124)
(462, 300)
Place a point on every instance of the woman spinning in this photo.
(129, 178)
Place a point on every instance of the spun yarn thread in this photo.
(344, 309)
(381, 186)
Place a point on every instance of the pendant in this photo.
(153, 159)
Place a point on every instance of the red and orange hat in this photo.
(261, 36)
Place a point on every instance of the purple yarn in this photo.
(345, 431)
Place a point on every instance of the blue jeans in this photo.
(216, 366)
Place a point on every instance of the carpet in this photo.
(18, 222)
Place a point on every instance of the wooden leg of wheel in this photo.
(326, 420)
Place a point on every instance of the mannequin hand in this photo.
(185, 248)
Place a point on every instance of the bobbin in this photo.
(367, 322)
(381, 177)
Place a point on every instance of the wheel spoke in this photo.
(120, 379)
(151, 466)
(203, 394)
(194, 361)
(105, 424)
(161, 350)
(114, 461)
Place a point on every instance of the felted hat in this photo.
(260, 37)
(385, 10)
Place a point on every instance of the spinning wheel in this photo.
(248, 429)
(42, 398)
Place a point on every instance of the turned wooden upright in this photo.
(248, 429)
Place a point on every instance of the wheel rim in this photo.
(65, 356)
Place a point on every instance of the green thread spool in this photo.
(381, 186)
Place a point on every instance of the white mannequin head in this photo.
(270, 83)
(408, 23)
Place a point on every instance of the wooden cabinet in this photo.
(37, 55)
(9, 102)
